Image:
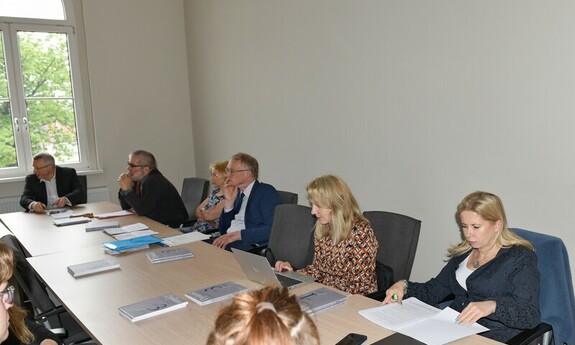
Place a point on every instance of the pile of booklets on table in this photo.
(165, 255)
(152, 307)
(92, 267)
(133, 244)
(216, 293)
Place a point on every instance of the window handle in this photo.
(25, 123)
(16, 124)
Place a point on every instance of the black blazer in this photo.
(67, 184)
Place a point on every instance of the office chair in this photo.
(194, 191)
(84, 184)
(291, 236)
(288, 197)
(557, 302)
(398, 236)
(34, 297)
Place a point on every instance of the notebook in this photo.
(320, 299)
(257, 269)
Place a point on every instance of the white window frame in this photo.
(84, 123)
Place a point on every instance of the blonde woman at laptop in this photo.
(262, 317)
(345, 245)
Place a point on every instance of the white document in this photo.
(134, 234)
(126, 229)
(421, 321)
(62, 214)
(176, 240)
(114, 214)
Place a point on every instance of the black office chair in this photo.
(194, 191)
(84, 184)
(557, 302)
(398, 236)
(291, 237)
(34, 297)
(288, 197)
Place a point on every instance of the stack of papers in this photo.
(177, 240)
(165, 255)
(71, 221)
(96, 226)
(91, 267)
(130, 231)
(123, 246)
(421, 321)
(152, 307)
(114, 214)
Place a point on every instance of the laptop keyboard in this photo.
(287, 281)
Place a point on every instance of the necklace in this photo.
(475, 264)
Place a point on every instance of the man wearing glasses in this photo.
(144, 189)
(51, 186)
(249, 206)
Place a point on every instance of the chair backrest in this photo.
(194, 191)
(291, 237)
(557, 302)
(288, 197)
(397, 235)
(84, 184)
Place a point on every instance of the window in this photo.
(41, 99)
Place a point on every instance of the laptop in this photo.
(258, 269)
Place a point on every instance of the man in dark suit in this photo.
(249, 206)
(51, 186)
(144, 189)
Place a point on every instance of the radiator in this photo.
(12, 203)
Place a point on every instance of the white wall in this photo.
(414, 103)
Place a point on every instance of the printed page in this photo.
(395, 316)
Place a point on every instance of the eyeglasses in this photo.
(232, 171)
(132, 165)
(40, 168)
(8, 295)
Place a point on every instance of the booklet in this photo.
(123, 245)
(421, 321)
(71, 221)
(320, 299)
(169, 255)
(152, 307)
(96, 226)
(91, 267)
(216, 293)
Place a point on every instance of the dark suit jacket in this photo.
(511, 279)
(258, 219)
(67, 184)
(159, 200)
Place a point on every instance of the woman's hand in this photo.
(283, 266)
(475, 311)
(395, 292)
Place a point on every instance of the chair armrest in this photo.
(42, 317)
(528, 335)
(378, 295)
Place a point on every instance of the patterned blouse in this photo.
(349, 265)
(213, 200)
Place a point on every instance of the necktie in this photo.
(138, 189)
(240, 199)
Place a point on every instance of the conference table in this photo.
(94, 300)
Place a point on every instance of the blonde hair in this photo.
(490, 208)
(269, 316)
(332, 192)
(219, 167)
(17, 315)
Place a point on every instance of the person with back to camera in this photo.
(51, 186)
(15, 329)
(208, 211)
(345, 245)
(269, 316)
(492, 273)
